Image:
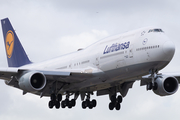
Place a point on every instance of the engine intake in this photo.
(32, 81)
(166, 85)
(170, 84)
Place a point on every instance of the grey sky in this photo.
(48, 29)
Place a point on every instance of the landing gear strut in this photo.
(152, 85)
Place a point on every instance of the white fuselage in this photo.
(116, 59)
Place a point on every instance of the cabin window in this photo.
(148, 47)
(155, 30)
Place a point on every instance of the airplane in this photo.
(108, 67)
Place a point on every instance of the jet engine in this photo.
(165, 85)
(32, 81)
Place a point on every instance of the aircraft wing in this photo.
(67, 76)
(6, 73)
(64, 77)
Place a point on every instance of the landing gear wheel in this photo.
(90, 105)
(111, 106)
(118, 106)
(119, 99)
(69, 105)
(57, 105)
(66, 102)
(84, 105)
(87, 102)
(94, 103)
(51, 104)
(63, 105)
(73, 102)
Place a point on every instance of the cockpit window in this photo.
(155, 30)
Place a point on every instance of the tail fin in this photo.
(16, 56)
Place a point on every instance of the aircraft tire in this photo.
(63, 104)
(66, 102)
(87, 102)
(73, 101)
(70, 105)
(84, 105)
(90, 105)
(94, 103)
(57, 105)
(51, 104)
(118, 106)
(111, 106)
(119, 99)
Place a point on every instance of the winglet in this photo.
(16, 56)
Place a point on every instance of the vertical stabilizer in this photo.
(16, 56)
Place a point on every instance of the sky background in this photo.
(50, 28)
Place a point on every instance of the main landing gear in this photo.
(56, 101)
(68, 103)
(88, 103)
(115, 102)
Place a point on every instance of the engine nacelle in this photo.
(32, 81)
(166, 85)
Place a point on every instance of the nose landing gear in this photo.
(152, 85)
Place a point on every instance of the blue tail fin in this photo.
(16, 56)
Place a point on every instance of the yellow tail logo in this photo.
(9, 43)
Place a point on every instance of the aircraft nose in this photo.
(169, 48)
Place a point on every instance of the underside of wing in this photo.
(68, 76)
(42, 81)
(7, 73)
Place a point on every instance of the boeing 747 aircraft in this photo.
(109, 67)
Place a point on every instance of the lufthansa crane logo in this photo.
(9, 43)
(145, 41)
